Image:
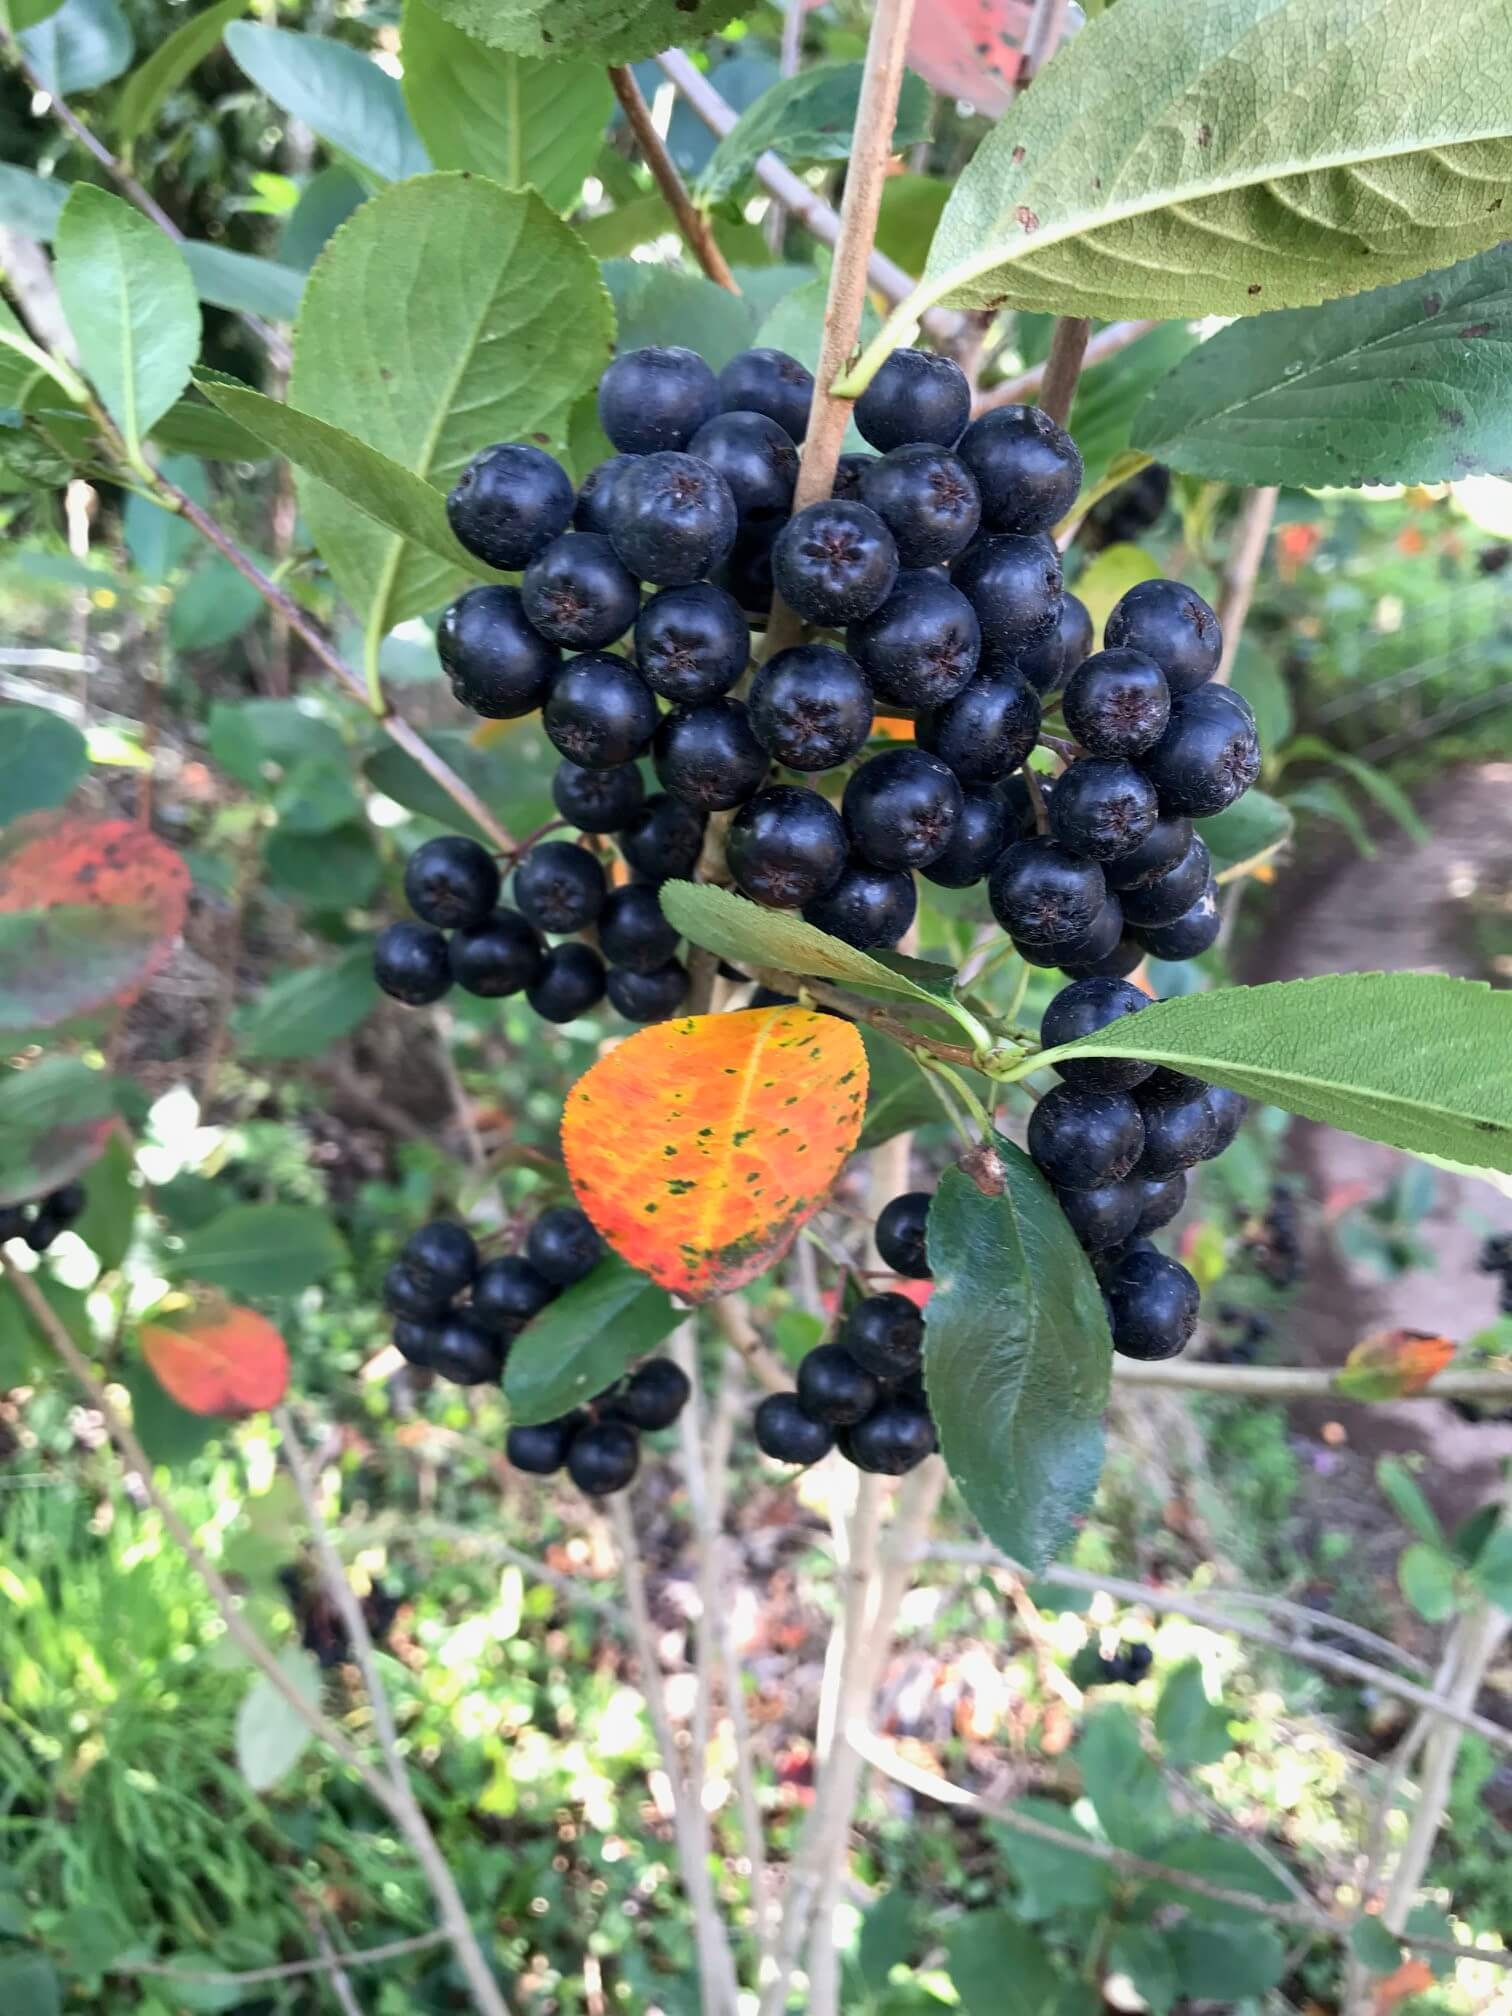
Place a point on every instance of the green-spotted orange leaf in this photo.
(1391, 1364)
(700, 1146)
(218, 1359)
(89, 910)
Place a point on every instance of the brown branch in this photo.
(363, 1956)
(1299, 1382)
(1063, 366)
(691, 221)
(734, 1319)
(1106, 343)
(1242, 570)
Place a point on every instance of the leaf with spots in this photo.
(55, 1119)
(585, 1340)
(89, 910)
(700, 1146)
(1391, 1364)
(218, 1359)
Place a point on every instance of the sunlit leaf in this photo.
(218, 1360)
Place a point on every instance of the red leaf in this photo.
(89, 910)
(1391, 1364)
(219, 1360)
(970, 49)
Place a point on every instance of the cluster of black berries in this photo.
(1496, 1258)
(40, 1222)
(1274, 1245)
(1116, 1139)
(864, 1392)
(1242, 1334)
(599, 1445)
(1125, 1667)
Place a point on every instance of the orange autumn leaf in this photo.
(895, 727)
(698, 1147)
(218, 1360)
(1391, 1364)
(1411, 1978)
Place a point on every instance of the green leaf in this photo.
(42, 757)
(24, 365)
(898, 1094)
(193, 428)
(999, 1967)
(512, 775)
(328, 199)
(169, 64)
(256, 741)
(660, 304)
(1374, 1946)
(19, 14)
(158, 540)
(337, 91)
(1491, 1570)
(1122, 1781)
(1252, 827)
(522, 122)
(130, 304)
(910, 216)
(170, 1434)
(30, 204)
(1406, 384)
(82, 44)
(796, 325)
(26, 1352)
(29, 1985)
(1242, 155)
(1141, 1952)
(1412, 1059)
(110, 1205)
(1016, 1354)
(1191, 1729)
(214, 605)
(504, 304)
(270, 1737)
(326, 871)
(890, 1936)
(236, 280)
(1222, 1859)
(264, 1250)
(384, 491)
(1051, 1880)
(1217, 1964)
(807, 118)
(583, 1341)
(1427, 1578)
(306, 1012)
(1401, 1488)
(1384, 791)
(612, 31)
(1108, 578)
(1258, 679)
(1109, 397)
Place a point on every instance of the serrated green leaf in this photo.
(1221, 1859)
(1405, 1494)
(612, 31)
(1141, 1952)
(249, 738)
(1374, 1946)
(898, 1094)
(270, 1736)
(80, 45)
(193, 428)
(1412, 1059)
(501, 309)
(524, 123)
(999, 1967)
(512, 774)
(1051, 1880)
(1406, 384)
(1427, 1579)
(1111, 395)
(1492, 1569)
(130, 304)
(236, 280)
(169, 64)
(159, 540)
(262, 1250)
(585, 1340)
(42, 757)
(328, 871)
(1191, 1729)
(1222, 157)
(1017, 1356)
(337, 91)
(214, 605)
(29, 1985)
(30, 204)
(1253, 827)
(803, 119)
(661, 304)
(1122, 1781)
(910, 216)
(304, 1013)
(1222, 1964)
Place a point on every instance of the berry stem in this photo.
(1037, 800)
(933, 1068)
(691, 221)
(1068, 349)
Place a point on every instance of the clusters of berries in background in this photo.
(1496, 1259)
(1125, 1666)
(39, 1222)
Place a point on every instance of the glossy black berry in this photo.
(1170, 623)
(1042, 894)
(1117, 703)
(786, 847)
(1228, 1109)
(1050, 660)
(1082, 1138)
(563, 1245)
(467, 1353)
(663, 839)
(901, 1234)
(674, 519)
(1119, 960)
(788, 1435)
(441, 1257)
(654, 1395)
(770, 382)
(833, 1388)
(507, 1292)
(915, 396)
(451, 881)
(1081, 1010)
(981, 834)
(594, 510)
(1152, 1306)
(1161, 848)
(1166, 897)
(559, 887)
(498, 665)
(987, 730)
(1103, 807)
(927, 498)
(1099, 944)
(848, 473)
(408, 1295)
(541, 1449)
(415, 1341)
(632, 930)
(1180, 1126)
(810, 707)
(597, 801)
(692, 643)
(896, 1437)
(868, 907)
(834, 563)
(1027, 468)
(746, 574)
(756, 457)
(648, 997)
(509, 503)
(410, 963)
(656, 398)
(599, 712)
(66, 1204)
(603, 1457)
(1018, 804)
(1190, 934)
(901, 808)
(1160, 1198)
(921, 648)
(707, 755)
(579, 593)
(1014, 585)
(1102, 1216)
(501, 956)
(571, 983)
(1208, 756)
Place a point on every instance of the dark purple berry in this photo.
(895, 1438)
(1180, 1126)
(987, 730)
(597, 801)
(674, 519)
(563, 1246)
(416, 1341)
(654, 1395)
(810, 707)
(541, 1449)
(1082, 1139)
(1103, 807)
(1042, 894)
(692, 643)
(927, 498)
(656, 398)
(632, 930)
(901, 808)
(509, 503)
(1050, 660)
(921, 648)
(1166, 897)
(571, 982)
(868, 907)
(497, 664)
(412, 1297)
(603, 1457)
(834, 563)
(1117, 703)
(559, 888)
(788, 1435)
(599, 712)
(770, 382)
(786, 847)
(1014, 585)
(663, 839)
(578, 592)
(1208, 756)
(1160, 1198)
(756, 458)
(1186, 936)
(1170, 623)
(1082, 1009)
(848, 473)
(1103, 1216)
(833, 1388)
(508, 1292)
(501, 956)
(707, 755)
(901, 1235)
(467, 1353)
(451, 881)
(915, 396)
(594, 510)
(1228, 1109)
(1152, 1306)
(410, 963)
(981, 834)
(1027, 468)
(648, 997)
(441, 1257)
(1161, 848)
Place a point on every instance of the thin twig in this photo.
(1241, 571)
(1063, 366)
(789, 56)
(691, 221)
(1298, 1382)
(363, 1956)
(1106, 343)
(734, 1319)
(339, 1982)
